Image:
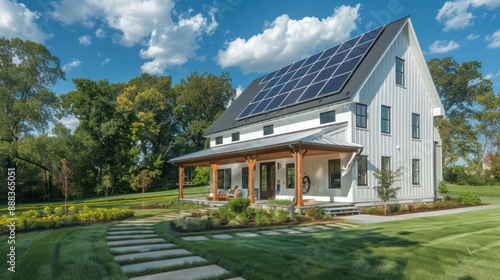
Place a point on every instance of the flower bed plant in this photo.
(48, 218)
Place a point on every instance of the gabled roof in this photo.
(320, 139)
(232, 119)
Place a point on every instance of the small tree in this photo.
(443, 188)
(142, 180)
(386, 178)
(66, 187)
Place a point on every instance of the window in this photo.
(415, 172)
(360, 115)
(385, 125)
(400, 71)
(224, 179)
(415, 126)
(327, 117)
(235, 137)
(386, 163)
(218, 140)
(362, 171)
(244, 178)
(290, 176)
(334, 172)
(268, 129)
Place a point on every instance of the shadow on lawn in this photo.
(332, 254)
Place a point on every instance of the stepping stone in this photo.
(347, 225)
(334, 226)
(136, 221)
(128, 232)
(162, 263)
(129, 237)
(321, 227)
(305, 229)
(194, 238)
(291, 231)
(268, 232)
(121, 228)
(135, 242)
(222, 236)
(187, 274)
(153, 254)
(246, 234)
(132, 225)
(142, 248)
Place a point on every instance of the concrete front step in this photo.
(128, 232)
(162, 263)
(153, 254)
(142, 248)
(187, 274)
(130, 237)
(135, 242)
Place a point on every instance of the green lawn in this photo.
(429, 248)
(120, 201)
(477, 190)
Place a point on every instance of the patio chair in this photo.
(232, 193)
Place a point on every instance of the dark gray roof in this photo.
(228, 120)
(317, 137)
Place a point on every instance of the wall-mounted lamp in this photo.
(279, 166)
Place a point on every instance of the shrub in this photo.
(443, 188)
(261, 218)
(215, 223)
(315, 212)
(470, 199)
(411, 207)
(394, 208)
(243, 219)
(233, 223)
(286, 202)
(280, 216)
(47, 211)
(299, 218)
(225, 213)
(58, 211)
(238, 205)
(250, 213)
(72, 210)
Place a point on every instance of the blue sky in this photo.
(118, 40)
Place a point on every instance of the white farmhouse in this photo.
(317, 129)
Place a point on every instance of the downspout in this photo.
(353, 159)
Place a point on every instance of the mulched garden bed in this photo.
(420, 210)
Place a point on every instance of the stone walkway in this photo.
(292, 230)
(138, 249)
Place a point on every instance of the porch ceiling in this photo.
(317, 141)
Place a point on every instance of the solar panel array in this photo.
(317, 76)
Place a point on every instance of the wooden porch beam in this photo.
(215, 178)
(181, 181)
(251, 161)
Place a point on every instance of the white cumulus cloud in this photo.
(167, 41)
(494, 40)
(106, 61)
(70, 122)
(85, 40)
(492, 76)
(285, 40)
(472, 36)
(442, 46)
(16, 20)
(75, 63)
(457, 14)
(99, 33)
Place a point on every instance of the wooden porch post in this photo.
(251, 180)
(181, 181)
(299, 156)
(215, 178)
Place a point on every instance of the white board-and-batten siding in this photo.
(381, 90)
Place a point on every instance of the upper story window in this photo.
(385, 125)
(235, 137)
(327, 117)
(400, 71)
(218, 140)
(415, 126)
(361, 115)
(268, 129)
(386, 163)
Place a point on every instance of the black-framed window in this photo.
(235, 137)
(218, 140)
(363, 171)
(385, 163)
(327, 117)
(335, 174)
(415, 126)
(244, 177)
(361, 115)
(224, 179)
(290, 176)
(415, 174)
(400, 71)
(269, 129)
(385, 124)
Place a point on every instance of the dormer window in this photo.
(235, 137)
(400, 71)
(327, 117)
(268, 129)
(218, 140)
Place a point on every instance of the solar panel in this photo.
(322, 74)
